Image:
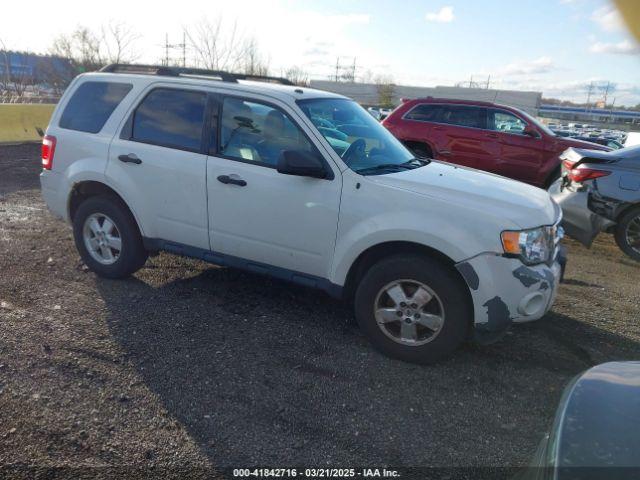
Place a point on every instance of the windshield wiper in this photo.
(387, 166)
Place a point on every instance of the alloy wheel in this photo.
(102, 238)
(409, 312)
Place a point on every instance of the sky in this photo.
(558, 47)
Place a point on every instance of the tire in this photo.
(627, 233)
(132, 254)
(450, 296)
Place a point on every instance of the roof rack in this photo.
(167, 71)
(185, 71)
(263, 78)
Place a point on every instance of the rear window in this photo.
(171, 118)
(92, 104)
(464, 116)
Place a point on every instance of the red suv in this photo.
(482, 135)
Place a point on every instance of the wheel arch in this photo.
(82, 190)
(377, 252)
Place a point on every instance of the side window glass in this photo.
(463, 116)
(502, 121)
(424, 113)
(256, 132)
(170, 118)
(92, 104)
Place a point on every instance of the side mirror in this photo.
(301, 163)
(531, 132)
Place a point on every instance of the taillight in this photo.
(582, 174)
(48, 149)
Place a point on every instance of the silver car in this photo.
(600, 192)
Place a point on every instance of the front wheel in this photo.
(627, 233)
(413, 308)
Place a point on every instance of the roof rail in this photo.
(263, 78)
(167, 71)
(201, 72)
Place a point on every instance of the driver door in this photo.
(256, 213)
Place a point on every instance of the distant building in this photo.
(33, 68)
(591, 115)
(368, 94)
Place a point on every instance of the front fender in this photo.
(368, 233)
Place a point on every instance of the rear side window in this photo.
(171, 118)
(424, 113)
(92, 104)
(464, 116)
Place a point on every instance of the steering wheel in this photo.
(356, 148)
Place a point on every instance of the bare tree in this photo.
(82, 47)
(386, 90)
(118, 43)
(217, 47)
(15, 78)
(88, 50)
(5, 79)
(254, 63)
(297, 76)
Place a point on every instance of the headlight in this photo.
(531, 246)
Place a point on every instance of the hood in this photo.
(488, 194)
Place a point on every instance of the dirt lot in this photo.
(187, 368)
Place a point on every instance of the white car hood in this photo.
(522, 204)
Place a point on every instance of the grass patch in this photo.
(20, 122)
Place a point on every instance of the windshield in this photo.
(362, 143)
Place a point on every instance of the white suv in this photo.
(303, 185)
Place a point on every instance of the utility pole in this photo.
(606, 93)
(184, 48)
(353, 71)
(166, 49)
(589, 96)
(488, 81)
(470, 81)
(337, 67)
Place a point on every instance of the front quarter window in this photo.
(364, 145)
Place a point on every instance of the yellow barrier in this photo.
(20, 122)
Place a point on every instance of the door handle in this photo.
(130, 158)
(226, 179)
(445, 152)
(492, 135)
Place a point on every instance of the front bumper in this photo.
(504, 291)
(578, 220)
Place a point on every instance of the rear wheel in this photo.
(413, 308)
(627, 233)
(107, 237)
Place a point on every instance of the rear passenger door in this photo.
(460, 136)
(158, 163)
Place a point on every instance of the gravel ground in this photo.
(187, 368)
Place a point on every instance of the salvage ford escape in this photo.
(302, 185)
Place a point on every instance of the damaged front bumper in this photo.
(579, 221)
(504, 291)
